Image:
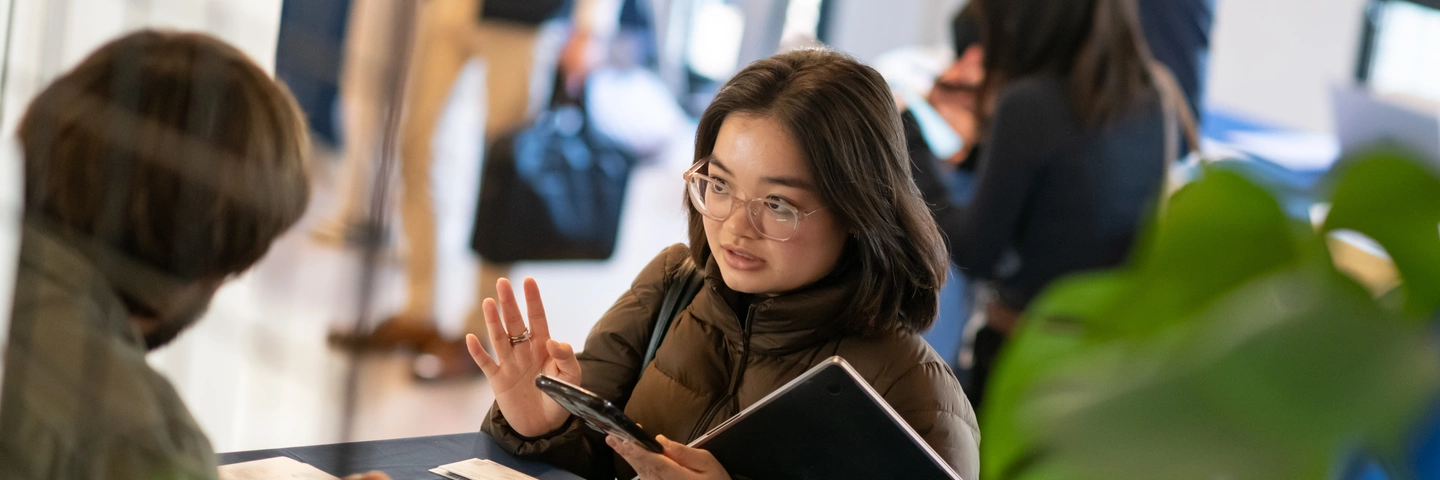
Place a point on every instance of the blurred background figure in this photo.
(1178, 33)
(449, 33)
(1073, 155)
(368, 52)
(1181, 29)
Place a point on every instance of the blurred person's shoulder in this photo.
(1035, 118)
(77, 388)
(1034, 93)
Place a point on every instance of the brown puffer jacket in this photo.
(712, 365)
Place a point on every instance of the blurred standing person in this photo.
(1178, 32)
(369, 52)
(1074, 149)
(448, 34)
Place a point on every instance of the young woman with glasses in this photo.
(813, 241)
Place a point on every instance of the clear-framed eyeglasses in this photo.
(773, 217)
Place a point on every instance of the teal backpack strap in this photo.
(680, 290)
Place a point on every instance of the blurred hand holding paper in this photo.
(477, 469)
(273, 468)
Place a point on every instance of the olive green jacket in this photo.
(79, 401)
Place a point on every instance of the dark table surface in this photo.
(402, 458)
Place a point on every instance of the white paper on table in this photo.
(477, 469)
(284, 468)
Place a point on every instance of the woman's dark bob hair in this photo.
(842, 115)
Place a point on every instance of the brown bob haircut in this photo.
(843, 117)
(1095, 45)
(171, 148)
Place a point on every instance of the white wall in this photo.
(52, 35)
(9, 220)
(1275, 60)
(869, 28)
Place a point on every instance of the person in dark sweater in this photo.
(1178, 33)
(1074, 149)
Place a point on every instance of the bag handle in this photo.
(1176, 111)
(559, 95)
(680, 290)
(1172, 98)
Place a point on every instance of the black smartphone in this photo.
(599, 413)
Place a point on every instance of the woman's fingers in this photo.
(647, 464)
(535, 308)
(510, 309)
(477, 352)
(498, 337)
(692, 458)
(567, 366)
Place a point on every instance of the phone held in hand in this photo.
(599, 413)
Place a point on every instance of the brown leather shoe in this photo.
(392, 334)
(445, 360)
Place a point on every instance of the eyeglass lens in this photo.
(715, 199)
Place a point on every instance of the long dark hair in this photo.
(842, 115)
(1095, 45)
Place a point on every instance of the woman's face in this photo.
(757, 158)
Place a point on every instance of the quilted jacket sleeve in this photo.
(609, 366)
(929, 399)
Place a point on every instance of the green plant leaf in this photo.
(1107, 368)
(1388, 196)
(1216, 233)
(1051, 334)
(1270, 382)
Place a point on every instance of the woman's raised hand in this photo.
(521, 353)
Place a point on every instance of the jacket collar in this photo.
(92, 268)
(781, 324)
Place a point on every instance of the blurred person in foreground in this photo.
(801, 262)
(159, 167)
(1074, 153)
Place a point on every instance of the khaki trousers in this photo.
(447, 36)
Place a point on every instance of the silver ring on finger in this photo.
(522, 337)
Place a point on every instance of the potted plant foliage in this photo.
(1230, 346)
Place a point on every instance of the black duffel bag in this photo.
(553, 190)
(526, 12)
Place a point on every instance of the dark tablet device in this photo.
(828, 423)
(599, 413)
